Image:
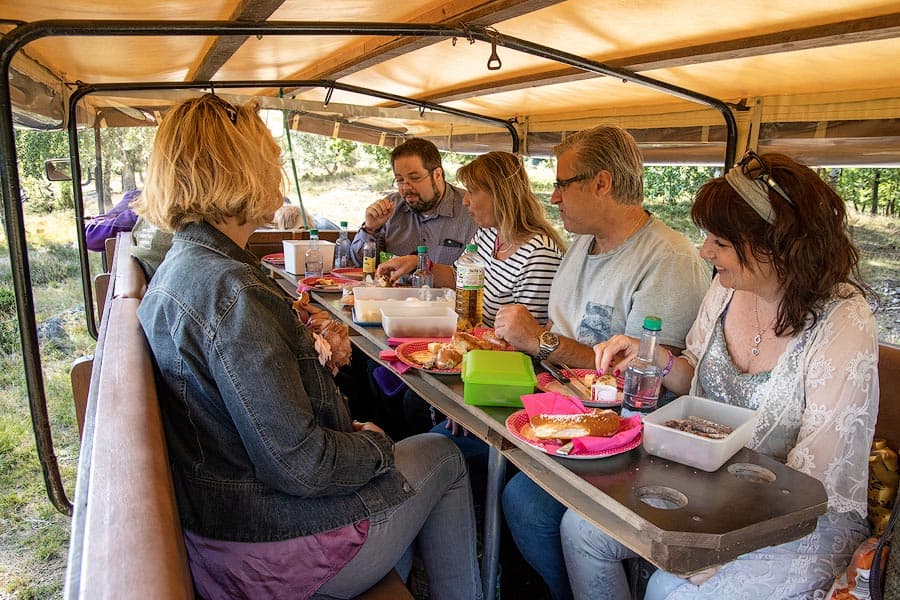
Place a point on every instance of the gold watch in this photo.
(547, 343)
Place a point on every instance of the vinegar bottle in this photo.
(469, 288)
(643, 378)
(369, 260)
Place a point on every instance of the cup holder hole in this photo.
(662, 497)
(751, 473)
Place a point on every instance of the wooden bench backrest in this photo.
(126, 537)
(268, 241)
(888, 425)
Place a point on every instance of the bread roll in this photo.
(600, 423)
(447, 358)
(463, 342)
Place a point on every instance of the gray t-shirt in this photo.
(657, 271)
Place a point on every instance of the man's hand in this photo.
(397, 267)
(378, 213)
(517, 326)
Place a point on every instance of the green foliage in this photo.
(869, 190)
(9, 324)
(379, 155)
(317, 154)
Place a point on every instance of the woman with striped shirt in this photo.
(516, 241)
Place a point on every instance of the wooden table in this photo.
(710, 518)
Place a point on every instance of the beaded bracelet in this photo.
(668, 368)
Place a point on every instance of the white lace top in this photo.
(819, 405)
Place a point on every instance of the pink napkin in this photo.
(553, 403)
(397, 365)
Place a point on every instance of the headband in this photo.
(753, 191)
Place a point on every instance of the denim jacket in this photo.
(259, 436)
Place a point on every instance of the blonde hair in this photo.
(611, 149)
(291, 216)
(212, 161)
(518, 211)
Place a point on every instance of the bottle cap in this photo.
(313, 232)
(471, 248)
(422, 249)
(653, 323)
(343, 224)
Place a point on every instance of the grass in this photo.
(33, 536)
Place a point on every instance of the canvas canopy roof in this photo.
(817, 80)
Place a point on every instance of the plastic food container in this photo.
(694, 450)
(369, 300)
(421, 319)
(496, 378)
(295, 255)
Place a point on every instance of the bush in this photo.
(9, 324)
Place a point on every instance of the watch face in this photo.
(548, 338)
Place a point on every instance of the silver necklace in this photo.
(759, 330)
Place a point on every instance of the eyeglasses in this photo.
(755, 168)
(561, 184)
(413, 178)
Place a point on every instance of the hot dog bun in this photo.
(600, 423)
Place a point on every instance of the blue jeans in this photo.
(439, 518)
(533, 518)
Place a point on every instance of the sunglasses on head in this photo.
(229, 108)
(755, 168)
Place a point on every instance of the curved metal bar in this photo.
(21, 276)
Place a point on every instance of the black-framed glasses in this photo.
(413, 178)
(561, 184)
(755, 168)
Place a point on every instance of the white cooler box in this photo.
(295, 256)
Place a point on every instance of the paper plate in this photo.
(406, 354)
(516, 421)
(276, 259)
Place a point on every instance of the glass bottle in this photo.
(342, 249)
(469, 288)
(422, 276)
(643, 378)
(369, 260)
(313, 259)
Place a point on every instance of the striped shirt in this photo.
(523, 278)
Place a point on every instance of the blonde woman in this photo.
(521, 249)
(280, 493)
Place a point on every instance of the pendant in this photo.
(754, 351)
(757, 339)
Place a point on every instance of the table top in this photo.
(680, 518)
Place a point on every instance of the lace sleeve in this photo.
(841, 391)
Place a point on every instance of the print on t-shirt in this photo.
(595, 325)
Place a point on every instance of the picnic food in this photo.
(600, 423)
(448, 355)
(592, 378)
(701, 427)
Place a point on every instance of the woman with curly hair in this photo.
(786, 330)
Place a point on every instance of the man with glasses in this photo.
(623, 265)
(426, 210)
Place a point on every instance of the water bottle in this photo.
(422, 276)
(642, 377)
(342, 249)
(313, 261)
(369, 260)
(469, 288)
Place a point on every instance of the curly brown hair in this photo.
(808, 245)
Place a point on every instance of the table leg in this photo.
(491, 544)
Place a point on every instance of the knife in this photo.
(584, 391)
(567, 383)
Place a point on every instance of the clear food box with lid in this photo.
(496, 377)
(369, 300)
(418, 320)
(695, 450)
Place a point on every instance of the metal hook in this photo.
(493, 63)
(421, 110)
(328, 97)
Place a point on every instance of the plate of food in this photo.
(540, 434)
(329, 283)
(588, 377)
(355, 273)
(276, 259)
(444, 355)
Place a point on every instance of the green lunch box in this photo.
(496, 378)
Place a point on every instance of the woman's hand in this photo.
(455, 428)
(615, 353)
(397, 267)
(700, 577)
(367, 426)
